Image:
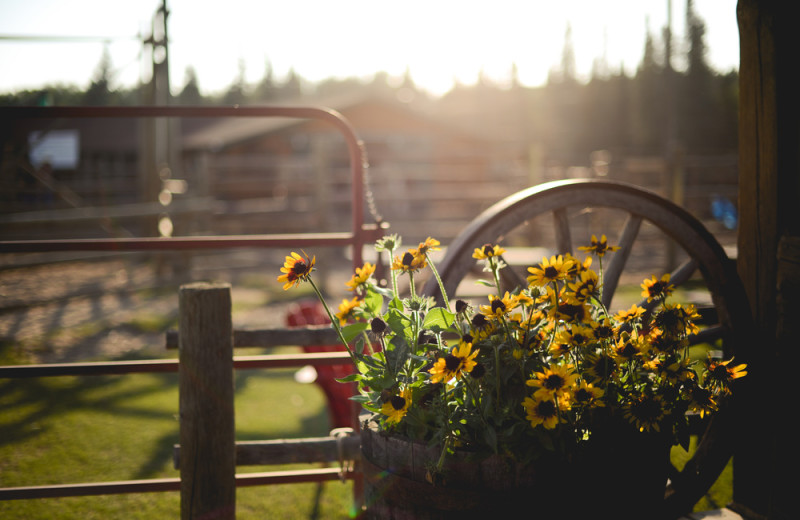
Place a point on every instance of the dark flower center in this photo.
(397, 402)
(550, 272)
(647, 409)
(604, 332)
(478, 371)
(466, 338)
(299, 268)
(461, 306)
(554, 382)
(546, 409)
(488, 249)
(498, 305)
(583, 396)
(377, 325)
(452, 362)
(657, 288)
(408, 259)
(479, 320)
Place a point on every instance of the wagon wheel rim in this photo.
(714, 448)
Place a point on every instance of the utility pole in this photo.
(160, 136)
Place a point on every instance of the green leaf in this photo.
(353, 330)
(373, 301)
(486, 283)
(438, 320)
(349, 379)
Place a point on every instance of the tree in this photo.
(99, 92)
(190, 95)
(266, 90)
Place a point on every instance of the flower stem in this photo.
(439, 281)
(334, 321)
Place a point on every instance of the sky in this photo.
(438, 42)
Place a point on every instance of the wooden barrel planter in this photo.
(623, 476)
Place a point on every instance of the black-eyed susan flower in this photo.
(577, 266)
(573, 337)
(548, 271)
(598, 247)
(396, 407)
(498, 307)
(603, 329)
(645, 412)
(295, 270)
(629, 347)
(676, 320)
(541, 411)
(601, 367)
(703, 401)
(409, 262)
(570, 309)
(346, 309)
(487, 251)
(554, 382)
(587, 395)
(657, 288)
(430, 244)
(361, 276)
(631, 315)
(459, 361)
(721, 373)
(586, 285)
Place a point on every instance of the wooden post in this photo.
(207, 436)
(769, 166)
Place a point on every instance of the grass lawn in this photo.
(68, 430)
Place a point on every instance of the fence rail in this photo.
(203, 428)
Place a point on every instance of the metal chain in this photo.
(369, 196)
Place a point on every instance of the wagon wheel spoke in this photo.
(613, 272)
(561, 226)
(511, 278)
(677, 278)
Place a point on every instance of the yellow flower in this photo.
(598, 247)
(721, 374)
(645, 412)
(601, 367)
(629, 347)
(632, 314)
(346, 309)
(396, 407)
(460, 360)
(556, 268)
(586, 285)
(587, 395)
(498, 307)
(555, 381)
(655, 289)
(675, 320)
(430, 244)
(360, 277)
(295, 269)
(410, 262)
(541, 411)
(487, 251)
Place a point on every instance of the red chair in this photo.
(342, 410)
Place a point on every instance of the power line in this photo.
(56, 38)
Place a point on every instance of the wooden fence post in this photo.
(207, 434)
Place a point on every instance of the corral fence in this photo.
(208, 454)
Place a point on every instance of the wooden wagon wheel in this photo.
(641, 209)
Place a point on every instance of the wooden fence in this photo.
(208, 454)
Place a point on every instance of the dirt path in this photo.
(82, 311)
